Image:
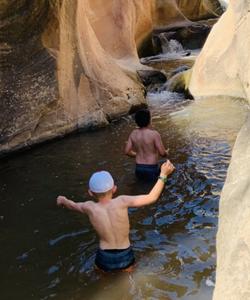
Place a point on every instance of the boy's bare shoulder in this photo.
(154, 132)
(88, 205)
(150, 131)
(120, 200)
(134, 132)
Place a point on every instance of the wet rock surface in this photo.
(151, 77)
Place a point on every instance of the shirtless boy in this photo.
(109, 217)
(145, 144)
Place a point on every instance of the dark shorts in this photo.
(147, 172)
(115, 259)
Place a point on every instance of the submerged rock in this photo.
(149, 77)
(179, 83)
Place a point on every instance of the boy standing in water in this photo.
(109, 217)
(145, 144)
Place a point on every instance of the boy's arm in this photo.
(81, 207)
(159, 145)
(129, 148)
(137, 201)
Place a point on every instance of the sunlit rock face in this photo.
(67, 65)
(233, 238)
(223, 68)
(62, 68)
(97, 59)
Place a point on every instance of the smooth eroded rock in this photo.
(223, 68)
(67, 65)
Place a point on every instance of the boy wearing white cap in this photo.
(109, 216)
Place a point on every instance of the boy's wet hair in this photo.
(142, 118)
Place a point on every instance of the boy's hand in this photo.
(60, 200)
(167, 168)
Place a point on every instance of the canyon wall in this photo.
(223, 68)
(59, 73)
(172, 12)
(69, 65)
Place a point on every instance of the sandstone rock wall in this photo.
(170, 12)
(62, 69)
(233, 238)
(28, 83)
(68, 64)
(223, 68)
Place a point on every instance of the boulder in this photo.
(223, 68)
(233, 238)
(149, 77)
(190, 36)
(179, 83)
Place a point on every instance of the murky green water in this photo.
(47, 252)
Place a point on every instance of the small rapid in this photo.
(171, 50)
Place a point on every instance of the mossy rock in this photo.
(179, 83)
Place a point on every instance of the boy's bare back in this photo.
(147, 144)
(111, 222)
(109, 217)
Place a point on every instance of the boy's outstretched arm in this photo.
(137, 201)
(81, 207)
(129, 148)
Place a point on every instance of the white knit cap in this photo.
(101, 182)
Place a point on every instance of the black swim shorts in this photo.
(147, 173)
(114, 259)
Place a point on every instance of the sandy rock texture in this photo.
(69, 65)
(233, 238)
(59, 72)
(170, 12)
(223, 68)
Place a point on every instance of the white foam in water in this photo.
(171, 50)
(171, 46)
(210, 283)
(163, 96)
(165, 101)
(170, 56)
(224, 3)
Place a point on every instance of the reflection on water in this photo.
(48, 252)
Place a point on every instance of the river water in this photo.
(48, 252)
